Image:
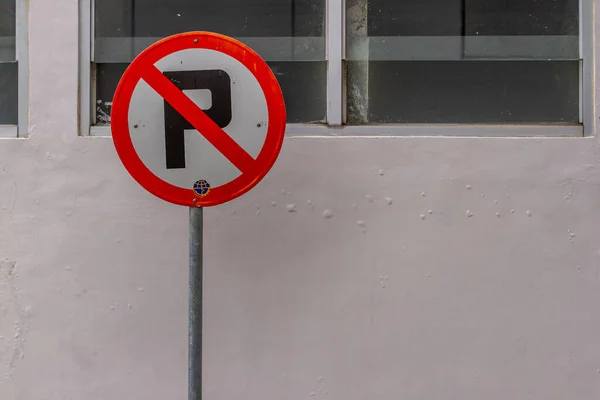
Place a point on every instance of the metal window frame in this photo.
(335, 39)
(336, 86)
(586, 56)
(86, 25)
(22, 57)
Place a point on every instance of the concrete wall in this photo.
(496, 305)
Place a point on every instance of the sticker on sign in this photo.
(198, 119)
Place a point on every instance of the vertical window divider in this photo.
(22, 56)
(586, 55)
(85, 64)
(581, 62)
(334, 54)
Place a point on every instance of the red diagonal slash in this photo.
(199, 120)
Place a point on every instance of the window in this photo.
(464, 61)
(378, 65)
(8, 63)
(289, 35)
(13, 67)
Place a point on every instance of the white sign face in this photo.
(222, 87)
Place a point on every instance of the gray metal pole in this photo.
(195, 306)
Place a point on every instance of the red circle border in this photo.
(275, 125)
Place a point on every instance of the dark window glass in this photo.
(8, 64)
(288, 34)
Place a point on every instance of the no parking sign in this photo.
(198, 119)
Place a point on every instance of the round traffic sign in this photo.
(198, 119)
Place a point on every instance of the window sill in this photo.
(304, 130)
(443, 130)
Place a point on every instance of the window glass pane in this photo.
(8, 93)
(288, 34)
(7, 30)
(463, 61)
(8, 65)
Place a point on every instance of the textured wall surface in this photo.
(412, 268)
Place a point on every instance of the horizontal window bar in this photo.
(125, 49)
(8, 48)
(418, 130)
(9, 131)
(432, 48)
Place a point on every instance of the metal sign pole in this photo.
(195, 306)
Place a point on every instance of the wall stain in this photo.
(12, 324)
(14, 182)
